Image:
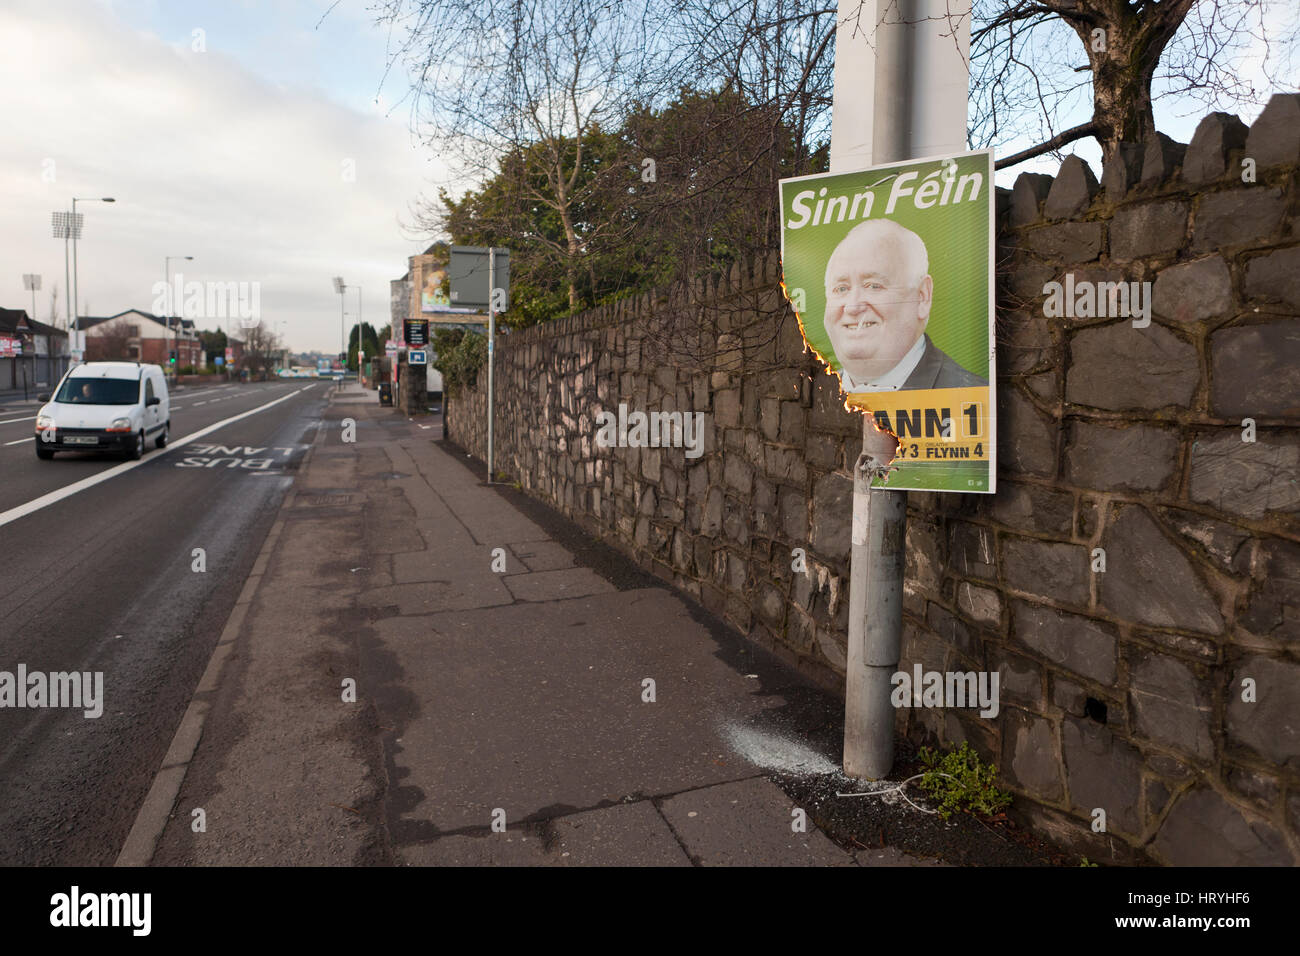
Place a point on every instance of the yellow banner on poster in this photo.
(933, 424)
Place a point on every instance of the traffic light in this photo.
(171, 357)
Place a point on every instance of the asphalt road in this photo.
(104, 580)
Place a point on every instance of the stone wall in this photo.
(1122, 689)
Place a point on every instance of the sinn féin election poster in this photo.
(890, 271)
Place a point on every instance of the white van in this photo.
(105, 406)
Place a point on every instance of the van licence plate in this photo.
(80, 440)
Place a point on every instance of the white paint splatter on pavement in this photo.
(773, 752)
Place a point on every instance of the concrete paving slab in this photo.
(537, 708)
(471, 562)
(543, 555)
(480, 509)
(557, 585)
(430, 597)
(747, 823)
(631, 834)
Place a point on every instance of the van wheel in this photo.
(44, 454)
(161, 440)
(136, 451)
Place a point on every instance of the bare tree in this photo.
(777, 54)
(261, 349)
(533, 88)
(109, 341)
(1027, 77)
(530, 82)
(1026, 74)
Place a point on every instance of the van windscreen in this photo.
(99, 391)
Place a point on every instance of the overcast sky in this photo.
(234, 155)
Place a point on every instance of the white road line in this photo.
(44, 501)
(30, 418)
(201, 391)
(19, 441)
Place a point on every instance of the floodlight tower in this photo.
(66, 225)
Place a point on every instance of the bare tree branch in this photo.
(1056, 142)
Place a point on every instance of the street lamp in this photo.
(281, 342)
(171, 305)
(341, 288)
(75, 233)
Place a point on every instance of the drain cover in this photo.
(316, 500)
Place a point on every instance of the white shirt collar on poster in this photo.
(894, 378)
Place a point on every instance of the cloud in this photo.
(258, 179)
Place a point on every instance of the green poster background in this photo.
(957, 240)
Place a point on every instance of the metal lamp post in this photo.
(899, 93)
(171, 306)
(76, 232)
(281, 342)
(341, 287)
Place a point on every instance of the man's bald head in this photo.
(878, 297)
(906, 246)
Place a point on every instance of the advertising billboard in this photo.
(429, 288)
(890, 270)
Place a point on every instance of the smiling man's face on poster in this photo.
(890, 270)
(878, 294)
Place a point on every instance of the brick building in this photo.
(32, 354)
(139, 336)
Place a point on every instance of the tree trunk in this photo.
(1124, 47)
(571, 237)
(571, 265)
(1121, 92)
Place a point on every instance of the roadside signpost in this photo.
(475, 273)
(415, 331)
(480, 278)
(417, 357)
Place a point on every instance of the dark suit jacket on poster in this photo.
(937, 370)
